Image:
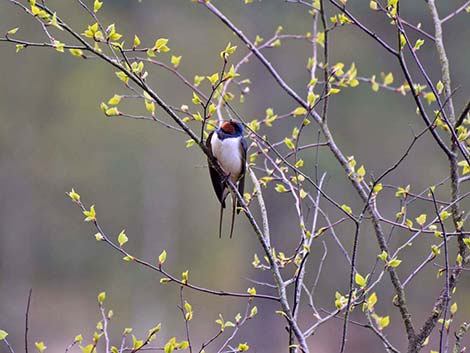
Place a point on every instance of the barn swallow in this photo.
(228, 146)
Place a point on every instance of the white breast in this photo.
(228, 154)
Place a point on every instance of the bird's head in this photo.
(232, 128)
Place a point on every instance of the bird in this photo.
(228, 147)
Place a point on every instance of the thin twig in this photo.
(27, 321)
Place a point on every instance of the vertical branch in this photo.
(186, 317)
(325, 61)
(447, 284)
(105, 327)
(442, 58)
(351, 286)
(262, 207)
(27, 321)
(444, 61)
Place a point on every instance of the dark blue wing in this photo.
(241, 180)
(216, 178)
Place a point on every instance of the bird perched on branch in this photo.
(228, 146)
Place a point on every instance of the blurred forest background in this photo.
(141, 177)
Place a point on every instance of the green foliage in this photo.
(91, 214)
(360, 281)
(280, 158)
(101, 298)
(40, 346)
(162, 258)
(3, 334)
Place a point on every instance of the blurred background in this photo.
(141, 177)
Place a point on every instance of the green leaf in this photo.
(243, 347)
(333, 91)
(371, 301)
(373, 5)
(185, 276)
(374, 84)
(74, 196)
(453, 308)
(229, 50)
(196, 99)
(280, 188)
(58, 46)
(394, 262)
(153, 331)
(112, 111)
(388, 79)
(421, 220)
(150, 106)
(435, 250)
(311, 99)
(19, 47)
(360, 281)
(402, 41)
(101, 297)
(3, 335)
(289, 143)
(170, 345)
(122, 238)
(377, 188)
(299, 163)
(87, 349)
(122, 76)
(190, 143)
(91, 214)
(419, 43)
(77, 52)
(162, 258)
(361, 172)
(137, 41)
(383, 256)
(403, 192)
(114, 100)
(231, 73)
(183, 345)
(198, 79)
(136, 343)
(213, 78)
(160, 45)
(383, 322)
(12, 31)
(444, 215)
(112, 34)
(55, 23)
(299, 111)
(346, 209)
(188, 311)
(467, 242)
(430, 97)
(97, 5)
(253, 312)
(40, 346)
(175, 61)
